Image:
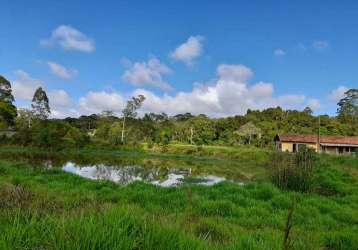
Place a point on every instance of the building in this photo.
(325, 144)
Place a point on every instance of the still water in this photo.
(128, 169)
(127, 174)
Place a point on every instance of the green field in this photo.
(50, 209)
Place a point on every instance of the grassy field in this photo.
(50, 209)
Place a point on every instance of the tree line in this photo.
(256, 127)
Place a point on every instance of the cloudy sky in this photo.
(214, 57)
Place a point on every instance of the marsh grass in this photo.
(199, 165)
(50, 209)
(294, 171)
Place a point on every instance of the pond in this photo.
(126, 168)
(124, 175)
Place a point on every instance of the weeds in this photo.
(15, 196)
(293, 172)
(287, 241)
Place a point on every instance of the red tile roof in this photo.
(348, 140)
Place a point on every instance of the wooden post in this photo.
(191, 135)
(319, 135)
(123, 126)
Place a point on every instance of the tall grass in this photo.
(56, 210)
(294, 171)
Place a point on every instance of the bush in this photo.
(53, 135)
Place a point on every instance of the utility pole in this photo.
(123, 126)
(319, 135)
(191, 135)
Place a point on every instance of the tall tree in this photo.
(248, 131)
(308, 111)
(130, 111)
(40, 104)
(7, 108)
(348, 106)
(24, 118)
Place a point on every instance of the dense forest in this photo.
(257, 127)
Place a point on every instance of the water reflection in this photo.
(127, 174)
(125, 168)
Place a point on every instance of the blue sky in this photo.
(213, 57)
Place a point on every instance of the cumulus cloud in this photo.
(229, 93)
(279, 52)
(64, 113)
(236, 73)
(24, 86)
(320, 44)
(96, 102)
(188, 51)
(61, 104)
(69, 38)
(148, 74)
(314, 104)
(337, 94)
(61, 71)
(59, 99)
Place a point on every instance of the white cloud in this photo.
(188, 51)
(237, 72)
(61, 71)
(61, 104)
(24, 86)
(69, 38)
(320, 44)
(96, 102)
(337, 94)
(148, 74)
(314, 104)
(63, 113)
(59, 99)
(230, 93)
(279, 52)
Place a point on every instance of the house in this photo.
(325, 144)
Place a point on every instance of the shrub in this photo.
(23, 137)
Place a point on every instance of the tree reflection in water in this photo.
(128, 174)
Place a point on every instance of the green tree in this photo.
(8, 111)
(248, 131)
(24, 118)
(308, 111)
(130, 111)
(348, 106)
(40, 104)
(114, 133)
(202, 130)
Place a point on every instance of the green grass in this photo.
(50, 209)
